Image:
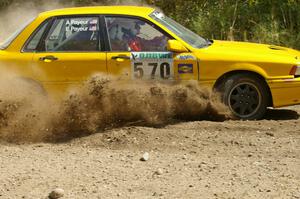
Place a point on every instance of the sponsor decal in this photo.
(93, 25)
(159, 15)
(94, 21)
(151, 55)
(186, 57)
(185, 68)
(93, 28)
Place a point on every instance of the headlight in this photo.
(295, 71)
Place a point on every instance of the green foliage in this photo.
(264, 21)
(4, 3)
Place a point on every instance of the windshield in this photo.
(13, 36)
(185, 34)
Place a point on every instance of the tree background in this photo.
(263, 21)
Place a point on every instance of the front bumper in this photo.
(285, 92)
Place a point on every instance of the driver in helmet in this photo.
(136, 43)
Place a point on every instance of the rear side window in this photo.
(76, 34)
(35, 39)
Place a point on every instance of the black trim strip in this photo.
(105, 38)
(41, 45)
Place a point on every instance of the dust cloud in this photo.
(104, 102)
(20, 13)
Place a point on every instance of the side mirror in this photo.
(176, 46)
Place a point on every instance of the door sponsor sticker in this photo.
(185, 68)
(186, 57)
(152, 65)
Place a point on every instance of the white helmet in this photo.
(124, 26)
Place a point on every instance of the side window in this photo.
(130, 34)
(34, 41)
(76, 34)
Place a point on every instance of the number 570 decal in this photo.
(150, 66)
(152, 70)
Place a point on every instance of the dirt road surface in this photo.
(188, 159)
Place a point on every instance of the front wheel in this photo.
(246, 96)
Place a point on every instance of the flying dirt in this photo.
(102, 103)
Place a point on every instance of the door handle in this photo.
(49, 58)
(120, 57)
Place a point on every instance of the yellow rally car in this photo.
(64, 47)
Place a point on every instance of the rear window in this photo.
(34, 40)
(13, 36)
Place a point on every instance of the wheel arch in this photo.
(227, 75)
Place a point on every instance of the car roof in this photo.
(123, 10)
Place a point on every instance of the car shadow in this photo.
(281, 114)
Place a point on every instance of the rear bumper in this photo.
(285, 92)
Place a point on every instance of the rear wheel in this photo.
(246, 96)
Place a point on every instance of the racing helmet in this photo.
(132, 27)
(120, 27)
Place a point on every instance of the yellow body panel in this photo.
(207, 65)
(69, 67)
(286, 92)
(120, 67)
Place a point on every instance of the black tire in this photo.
(246, 95)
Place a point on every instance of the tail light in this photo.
(295, 71)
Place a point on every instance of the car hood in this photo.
(246, 50)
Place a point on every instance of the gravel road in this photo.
(187, 159)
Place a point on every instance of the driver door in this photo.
(152, 61)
